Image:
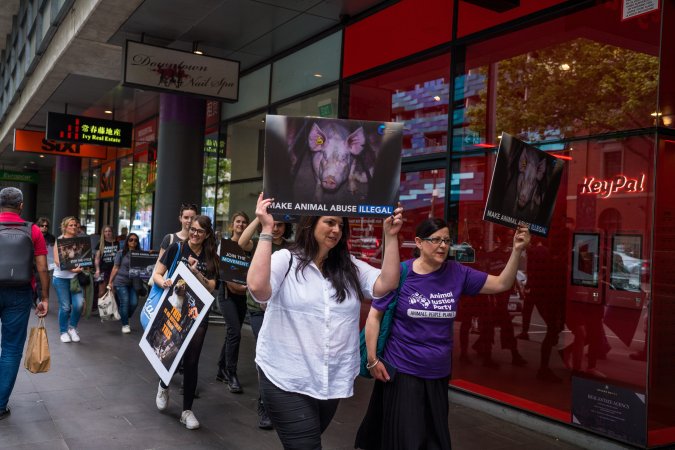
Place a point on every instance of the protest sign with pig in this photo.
(316, 166)
(524, 186)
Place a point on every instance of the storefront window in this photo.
(555, 81)
(416, 95)
(324, 104)
(315, 65)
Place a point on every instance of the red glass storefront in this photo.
(585, 337)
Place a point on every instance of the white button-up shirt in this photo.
(309, 343)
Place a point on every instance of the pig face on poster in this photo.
(344, 167)
(334, 157)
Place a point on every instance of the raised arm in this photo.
(389, 276)
(246, 239)
(258, 278)
(503, 281)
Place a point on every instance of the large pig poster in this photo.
(316, 166)
(524, 186)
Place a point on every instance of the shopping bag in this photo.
(107, 307)
(37, 358)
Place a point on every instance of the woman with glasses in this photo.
(308, 346)
(70, 303)
(121, 281)
(198, 253)
(409, 407)
(232, 304)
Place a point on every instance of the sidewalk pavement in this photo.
(100, 394)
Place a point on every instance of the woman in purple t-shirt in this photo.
(419, 347)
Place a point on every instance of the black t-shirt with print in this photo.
(186, 252)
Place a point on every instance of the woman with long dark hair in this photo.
(120, 280)
(105, 258)
(308, 347)
(199, 254)
(232, 304)
(409, 408)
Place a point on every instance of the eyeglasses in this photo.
(437, 241)
(44, 225)
(197, 231)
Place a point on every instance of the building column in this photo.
(66, 190)
(29, 211)
(180, 161)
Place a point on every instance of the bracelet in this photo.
(265, 237)
(373, 364)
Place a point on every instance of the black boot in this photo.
(221, 375)
(264, 421)
(233, 382)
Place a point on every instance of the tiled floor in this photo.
(99, 394)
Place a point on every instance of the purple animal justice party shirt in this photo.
(420, 342)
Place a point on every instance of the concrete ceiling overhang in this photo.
(80, 47)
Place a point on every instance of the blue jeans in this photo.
(15, 303)
(70, 304)
(127, 300)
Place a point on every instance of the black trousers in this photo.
(233, 309)
(298, 419)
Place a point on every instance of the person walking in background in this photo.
(408, 409)
(70, 303)
(232, 304)
(308, 346)
(105, 256)
(50, 241)
(281, 232)
(121, 281)
(188, 211)
(16, 299)
(200, 256)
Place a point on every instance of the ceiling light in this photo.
(195, 48)
(42, 156)
(108, 111)
(437, 98)
(131, 164)
(93, 175)
(565, 66)
(656, 114)
(318, 75)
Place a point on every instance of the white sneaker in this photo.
(188, 418)
(162, 399)
(65, 337)
(72, 332)
(126, 329)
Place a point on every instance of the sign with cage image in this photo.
(174, 322)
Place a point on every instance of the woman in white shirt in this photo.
(308, 347)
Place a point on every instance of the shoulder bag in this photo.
(156, 292)
(385, 327)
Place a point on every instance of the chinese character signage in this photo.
(89, 130)
(35, 142)
(164, 69)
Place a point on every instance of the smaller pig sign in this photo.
(524, 186)
(317, 166)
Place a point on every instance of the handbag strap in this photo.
(401, 280)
